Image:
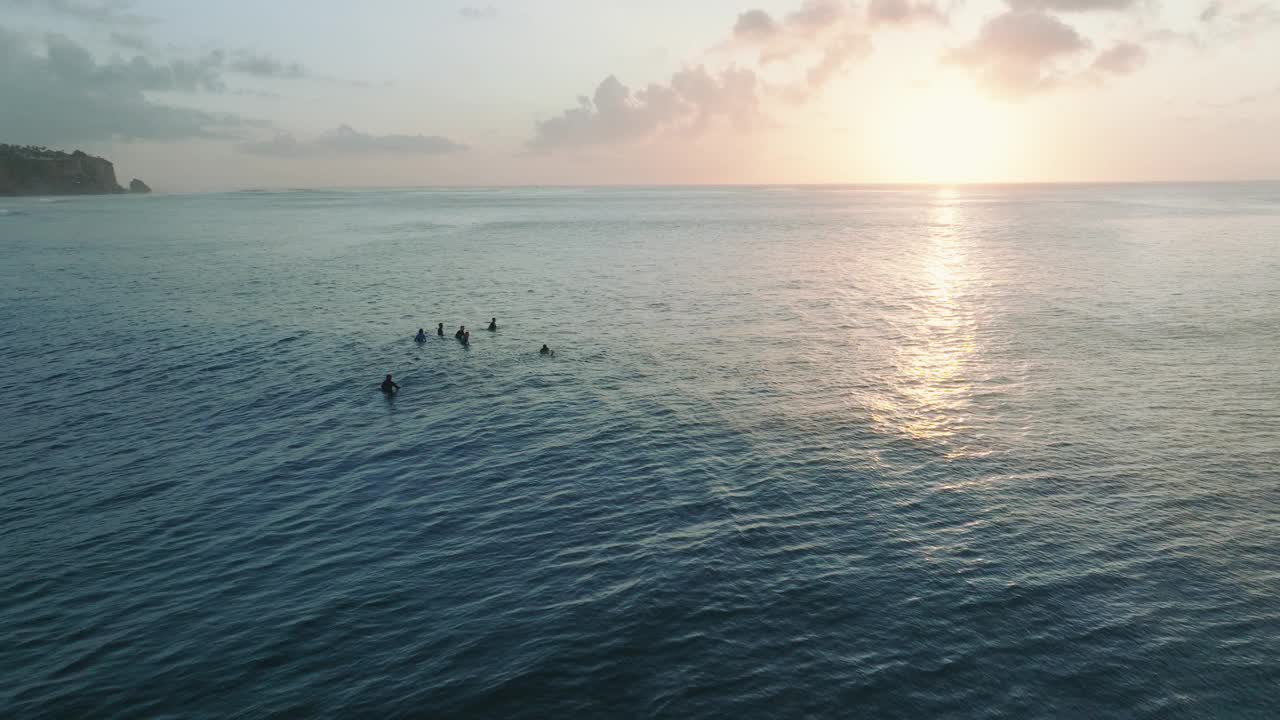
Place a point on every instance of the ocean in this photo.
(881, 452)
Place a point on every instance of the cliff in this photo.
(29, 170)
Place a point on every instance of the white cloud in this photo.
(1073, 5)
(1121, 59)
(688, 103)
(816, 43)
(903, 12)
(1015, 53)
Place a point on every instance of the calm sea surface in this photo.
(900, 453)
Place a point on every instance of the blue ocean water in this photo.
(848, 452)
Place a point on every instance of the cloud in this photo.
(265, 66)
(903, 12)
(810, 47)
(262, 94)
(1165, 37)
(816, 15)
(119, 13)
(1121, 59)
(201, 74)
(1015, 53)
(688, 104)
(1073, 5)
(837, 56)
(99, 12)
(344, 140)
(755, 26)
(1229, 23)
(130, 40)
(68, 63)
(470, 12)
(1262, 13)
(731, 95)
(63, 95)
(806, 30)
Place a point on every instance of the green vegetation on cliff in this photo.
(32, 170)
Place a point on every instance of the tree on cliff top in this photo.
(29, 152)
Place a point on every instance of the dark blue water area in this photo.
(800, 453)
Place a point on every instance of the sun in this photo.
(946, 134)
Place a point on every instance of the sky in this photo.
(195, 95)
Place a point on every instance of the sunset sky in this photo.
(222, 95)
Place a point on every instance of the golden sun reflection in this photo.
(931, 391)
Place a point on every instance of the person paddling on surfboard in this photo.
(389, 386)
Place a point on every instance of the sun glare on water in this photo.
(946, 134)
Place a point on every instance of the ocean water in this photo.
(1005, 452)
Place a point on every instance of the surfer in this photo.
(493, 324)
(440, 329)
(389, 386)
(420, 337)
(466, 339)
(545, 350)
(462, 329)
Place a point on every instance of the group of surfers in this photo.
(463, 336)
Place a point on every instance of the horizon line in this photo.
(743, 186)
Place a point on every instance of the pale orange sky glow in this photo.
(197, 97)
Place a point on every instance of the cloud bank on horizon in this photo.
(107, 71)
(345, 139)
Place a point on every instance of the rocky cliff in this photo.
(29, 170)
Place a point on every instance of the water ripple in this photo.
(992, 453)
